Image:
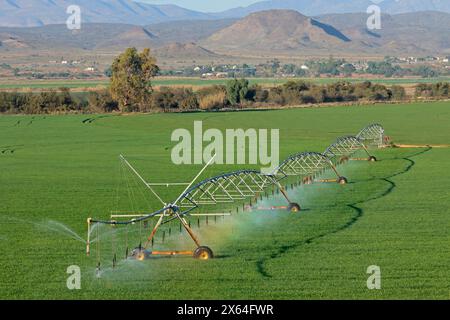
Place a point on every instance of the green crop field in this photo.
(198, 82)
(56, 171)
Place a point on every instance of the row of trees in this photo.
(436, 90)
(131, 91)
(389, 67)
(236, 94)
(52, 101)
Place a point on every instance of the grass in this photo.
(197, 82)
(393, 213)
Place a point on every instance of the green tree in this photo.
(237, 91)
(130, 80)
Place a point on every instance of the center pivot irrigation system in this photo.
(238, 187)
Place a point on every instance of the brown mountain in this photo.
(276, 30)
(137, 37)
(266, 34)
(11, 41)
(288, 31)
(415, 33)
(183, 51)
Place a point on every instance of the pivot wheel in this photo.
(342, 180)
(140, 254)
(372, 159)
(293, 207)
(203, 253)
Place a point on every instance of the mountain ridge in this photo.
(268, 32)
(321, 7)
(32, 13)
(276, 30)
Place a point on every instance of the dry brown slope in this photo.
(276, 30)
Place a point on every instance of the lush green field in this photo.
(58, 170)
(197, 82)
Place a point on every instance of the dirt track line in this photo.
(412, 146)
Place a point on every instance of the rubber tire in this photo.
(293, 207)
(372, 159)
(342, 180)
(140, 254)
(203, 253)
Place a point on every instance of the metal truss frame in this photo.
(345, 147)
(305, 164)
(372, 135)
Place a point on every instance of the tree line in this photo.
(131, 91)
(236, 94)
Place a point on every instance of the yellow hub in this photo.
(140, 256)
(203, 256)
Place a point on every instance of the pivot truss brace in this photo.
(226, 188)
(306, 164)
(345, 147)
(372, 135)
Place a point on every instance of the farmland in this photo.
(58, 170)
(83, 85)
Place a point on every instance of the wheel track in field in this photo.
(9, 149)
(23, 123)
(260, 264)
(91, 120)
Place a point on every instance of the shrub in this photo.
(187, 100)
(437, 90)
(380, 93)
(398, 93)
(214, 97)
(101, 101)
(340, 91)
(258, 94)
(276, 96)
(163, 99)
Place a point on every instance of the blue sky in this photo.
(204, 5)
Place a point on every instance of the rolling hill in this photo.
(187, 31)
(320, 7)
(90, 37)
(276, 30)
(32, 13)
(262, 33)
(183, 51)
(289, 31)
(420, 32)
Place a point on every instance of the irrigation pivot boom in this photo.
(372, 135)
(240, 186)
(307, 165)
(344, 147)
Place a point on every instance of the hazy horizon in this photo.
(202, 5)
